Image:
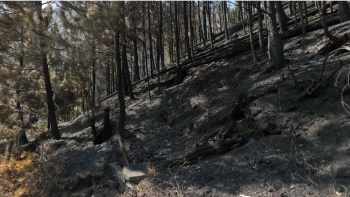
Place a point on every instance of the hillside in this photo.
(293, 147)
(221, 126)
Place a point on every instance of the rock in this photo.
(132, 175)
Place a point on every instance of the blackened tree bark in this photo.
(187, 39)
(224, 8)
(150, 39)
(161, 32)
(145, 49)
(251, 36)
(275, 44)
(106, 129)
(210, 27)
(49, 93)
(201, 30)
(241, 16)
(177, 36)
(205, 34)
(92, 99)
(171, 44)
(121, 101)
(322, 12)
(281, 17)
(108, 78)
(192, 31)
(344, 12)
(22, 135)
(301, 17)
(305, 13)
(127, 72)
(136, 57)
(290, 5)
(261, 28)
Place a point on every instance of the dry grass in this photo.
(151, 170)
(14, 175)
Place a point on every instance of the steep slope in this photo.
(294, 148)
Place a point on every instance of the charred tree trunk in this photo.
(251, 36)
(281, 17)
(261, 28)
(177, 36)
(150, 39)
(136, 58)
(192, 31)
(224, 8)
(145, 50)
(344, 12)
(106, 128)
(49, 93)
(121, 102)
(301, 17)
(275, 44)
(322, 12)
(187, 40)
(210, 27)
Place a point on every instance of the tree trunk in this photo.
(291, 11)
(295, 14)
(322, 12)
(150, 38)
(275, 44)
(106, 128)
(171, 45)
(344, 12)
(210, 27)
(161, 36)
(145, 50)
(22, 135)
(49, 94)
(187, 40)
(108, 79)
(251, 36)
(281, 17)
(136, 58)
(127, 72)
(204, 22)
(224, 7)
(201, 30)
(261, 28)
(242, 18)
(301, 17)
(192, 31)
(305, 12)
(121, 119)
(177, 36)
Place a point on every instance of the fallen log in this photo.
(207, 150)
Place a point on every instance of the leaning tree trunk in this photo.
(275, 44)
(322, 12)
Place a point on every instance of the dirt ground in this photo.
(295, 148)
